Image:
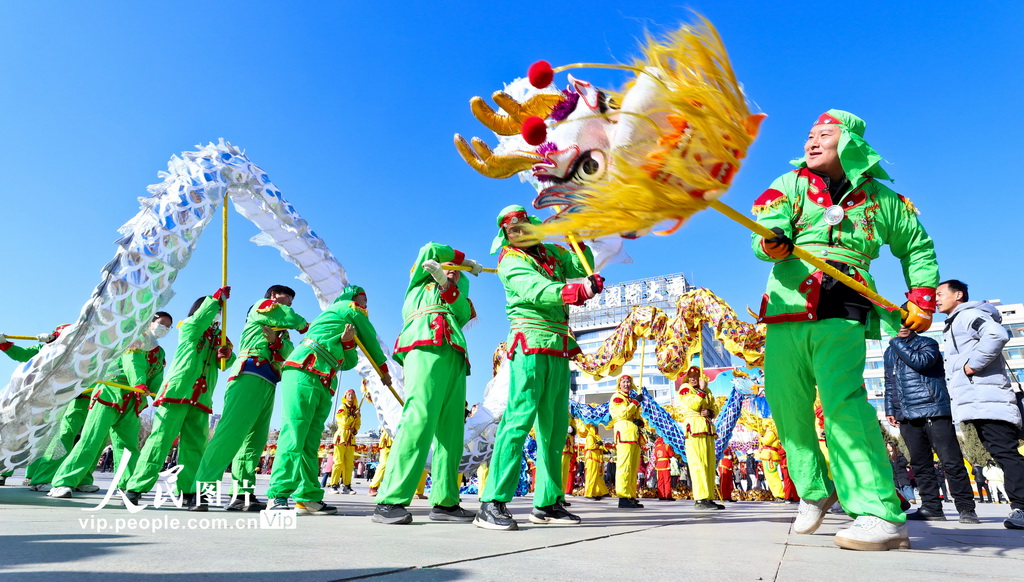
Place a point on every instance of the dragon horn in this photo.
(540, 105)
(482, 159)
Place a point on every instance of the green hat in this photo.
(512, 214)
(858, 158)
(349, 293)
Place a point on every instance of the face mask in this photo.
(158, 330)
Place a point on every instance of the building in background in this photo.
(594, 321)
(1013, 321)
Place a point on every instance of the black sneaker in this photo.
(200, 503)
(188, 500)
(969, 517)
(132, 497)
(707, 505)
(925, 514)
(393, 514)
(255, 504)
(553, 514)
(450, 513)
(627, 503)
(494, 515)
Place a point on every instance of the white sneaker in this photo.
(90, 488)
(41, 487)
(873, 534)
(60, 493)
(810, 514)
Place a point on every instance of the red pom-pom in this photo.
(540, 74)
(534, 131)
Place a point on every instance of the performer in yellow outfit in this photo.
(348, 420)
(626, 423)
(769, 455)
(594, 487)
(385, 443)
(695, 410)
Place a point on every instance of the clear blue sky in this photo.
(351, 109)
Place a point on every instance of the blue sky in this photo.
(350, 108)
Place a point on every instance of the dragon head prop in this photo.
(622, 162)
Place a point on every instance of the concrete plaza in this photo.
(55, 539)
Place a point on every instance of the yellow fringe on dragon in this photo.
(678, 338)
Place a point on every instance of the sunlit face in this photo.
(626, 383)
(453, 276)
(903, 332)
(947, 299)
(360, 300)
(282, 298)
(822, 150)
(350, 397)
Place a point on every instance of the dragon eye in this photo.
(591, 166)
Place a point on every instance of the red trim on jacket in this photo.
(198, 389)
(6, 346)
(812, 287)
(459, 257)
(923, 297)
(520, 340)
(768, 196)
(450, 294)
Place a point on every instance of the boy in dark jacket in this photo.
(916, 400)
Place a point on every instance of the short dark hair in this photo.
(957, 285)
(279, 289)
(160, 314)
(195, 306)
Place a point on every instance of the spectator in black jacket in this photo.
(916, 400)
(982, 482)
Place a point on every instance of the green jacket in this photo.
(138, 368)
(195, 367)
(18, 353)
(257, 355)
(432, 317)
(533, 289)
(874, 215)
(323, 353)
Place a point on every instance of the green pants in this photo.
(171, 420)
(241, 435)
(305, 404)
(434, 414)
(539, 391)
(829, 354)
(101, 421)
(45, 467)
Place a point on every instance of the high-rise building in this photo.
(594, 321)
(1013, 352)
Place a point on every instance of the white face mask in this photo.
(158, 330)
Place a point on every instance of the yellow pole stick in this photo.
(224, 283)
(643, 350)
(807, 257)
(465, 268)
(126, 387)
(22, 337)
(376, 367)
(576, 247)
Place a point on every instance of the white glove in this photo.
(46, 337)
(436, 271)
(3, 339)
(475, 268)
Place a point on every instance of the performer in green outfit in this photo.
(40, 472)
(186, 401)
(244, 426)
(432, 351)
(115, 412)
(835, 206)
(308, 384)
(540, 345)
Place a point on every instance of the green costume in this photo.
(42, 470)
(114, 412)
(432, 351)
(241, 435)
(540, 345)
(309, 382)
(811, 343)
(185, 403)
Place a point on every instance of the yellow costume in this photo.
(593, 455)
(348, 419)
(385, 448)
(769, 453)
(700, 436)
(625, 414)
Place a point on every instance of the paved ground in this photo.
(48, 539)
